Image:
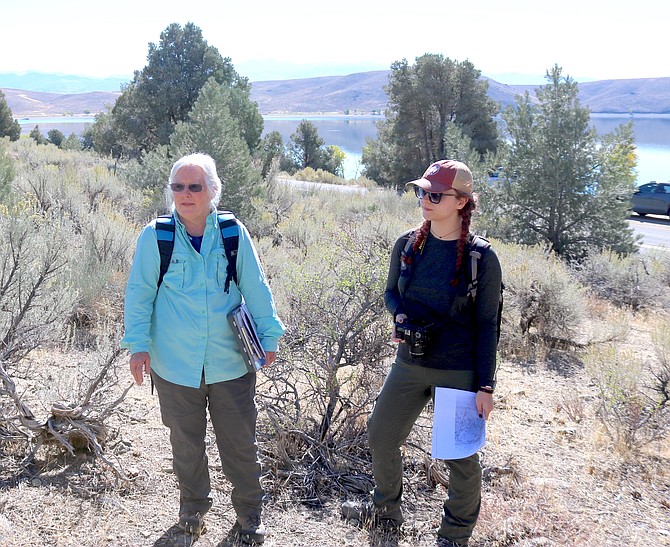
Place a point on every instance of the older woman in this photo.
(427, 287)
(178, 332)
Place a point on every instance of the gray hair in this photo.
(212, 180)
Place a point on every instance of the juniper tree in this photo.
(425, 100)
(9, 127)
(562, 186)
(165, 90)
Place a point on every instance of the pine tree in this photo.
(425, 99)
(9, 127)
(561, 186)
(165, 90)
(210, 129)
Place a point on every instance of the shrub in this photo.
(638, 281)
(632, 411)
(7, 170)
(543, 304)
(329, 294)
(660, 339)
(99, 214)
(36, 295)
(318, 175)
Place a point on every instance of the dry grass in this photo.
(552, 478)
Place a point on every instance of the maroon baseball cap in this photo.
(444, 175)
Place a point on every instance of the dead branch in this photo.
(73, 426)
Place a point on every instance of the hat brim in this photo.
(425, 184)
(430, 186)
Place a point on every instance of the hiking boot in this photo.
(444, 542)
(192, 523)
(368, 514)
(251, 531)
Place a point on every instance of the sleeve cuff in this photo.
(270, 344)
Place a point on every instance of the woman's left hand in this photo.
(270, 357)
(484, 402)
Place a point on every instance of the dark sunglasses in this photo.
(434, 197)
(179, 187)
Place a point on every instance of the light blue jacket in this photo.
(184, 324)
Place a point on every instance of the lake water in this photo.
(652, 134)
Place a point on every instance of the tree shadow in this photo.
(81, 474)
(564, 362)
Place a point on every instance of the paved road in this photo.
(654, 229)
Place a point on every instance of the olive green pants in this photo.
(232, 410)
(405, 393)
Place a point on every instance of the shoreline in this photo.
(87, 118)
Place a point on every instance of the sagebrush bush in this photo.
(633, 400)
(660, 339)
(330, 295)
(543, 303)
(98, 215)
(36, 294)
(639, 281)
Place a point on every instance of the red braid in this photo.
(466, 215)
(420, 237)
(422, 233)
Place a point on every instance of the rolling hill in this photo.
(30, 104)
(355, 93)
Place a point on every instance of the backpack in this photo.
(478, 246)
(230, 233)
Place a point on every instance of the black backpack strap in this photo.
(477, 247)
(230, 232)
(408, 256)
(165, 235)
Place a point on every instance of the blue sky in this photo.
(279, 40)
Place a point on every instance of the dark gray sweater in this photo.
(464, 336)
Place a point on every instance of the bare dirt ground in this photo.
(551, 478)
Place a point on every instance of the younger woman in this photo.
(427, 290)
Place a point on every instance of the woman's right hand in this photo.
(140, 364)
(400, 318)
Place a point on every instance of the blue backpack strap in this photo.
(230, 232)
(165, 235)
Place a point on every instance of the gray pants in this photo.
(233, 413)
(405, 393)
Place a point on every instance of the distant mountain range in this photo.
(37, 94)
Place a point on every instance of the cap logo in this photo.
(433, 169)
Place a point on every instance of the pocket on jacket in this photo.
(174, 277)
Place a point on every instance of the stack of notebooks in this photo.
(250, 344)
